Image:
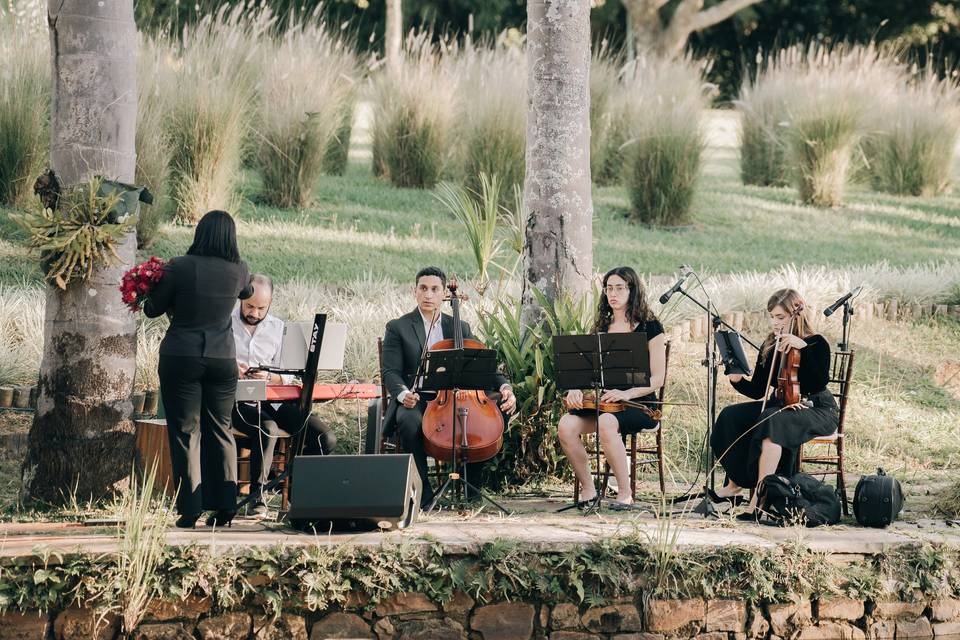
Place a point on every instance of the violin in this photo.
(590, 403)
(479, 436)
(788, 370)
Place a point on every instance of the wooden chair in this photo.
(831, 461)
(653, 451)
(278, 464)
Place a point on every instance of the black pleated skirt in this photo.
(741, 429)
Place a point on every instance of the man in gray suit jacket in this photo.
(403, 344)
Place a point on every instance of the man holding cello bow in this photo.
(404, 343)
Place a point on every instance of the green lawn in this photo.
(361, 225)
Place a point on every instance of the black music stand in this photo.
(457, 370)
(308, 379)
(731, 353)
(601, 361)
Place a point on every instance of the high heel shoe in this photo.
(752, 515)
(717, 499)
(221, 518)
(187, 520)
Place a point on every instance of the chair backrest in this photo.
(384, 398)
(666, 369)
(841, 372)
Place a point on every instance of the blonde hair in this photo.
(789, 299)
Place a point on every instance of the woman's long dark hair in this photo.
(216, 236)
(637, 308)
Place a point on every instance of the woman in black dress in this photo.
(751, 444)
(198, 367)
(623, 308)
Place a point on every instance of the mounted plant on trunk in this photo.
(82, 228)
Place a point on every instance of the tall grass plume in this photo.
(607, 120)
(213, 83)
(804, 114)
(153, 146)
(492, 122)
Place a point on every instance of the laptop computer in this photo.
(296, 341)
(251, 390)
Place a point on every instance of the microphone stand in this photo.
(844, 344)
(712, 364)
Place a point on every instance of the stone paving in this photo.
(532, 521)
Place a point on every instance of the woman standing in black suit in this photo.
(198, 367)
(751, 444)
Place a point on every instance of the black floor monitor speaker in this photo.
(354, 492)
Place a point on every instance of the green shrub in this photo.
(663, 152)
(531, 451)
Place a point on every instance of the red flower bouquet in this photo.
(138, 281)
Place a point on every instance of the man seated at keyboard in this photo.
(259, 336)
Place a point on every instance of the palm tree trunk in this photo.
(393, 36)
(81, 440)
(558, 251)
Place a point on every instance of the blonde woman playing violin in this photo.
(623, 308)
(754, 439)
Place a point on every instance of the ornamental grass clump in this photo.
(306, 87)
(414, 115)
(24, 105)
(492, 123)
(910, 147)
(663, 150)
(212, 84)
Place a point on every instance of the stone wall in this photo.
(415, 617)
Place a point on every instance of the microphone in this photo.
(684, 274)
(836, 305)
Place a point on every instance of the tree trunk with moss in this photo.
(558, 251)
(81, 442)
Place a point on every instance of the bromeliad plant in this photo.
(77, 230)
(530, 447)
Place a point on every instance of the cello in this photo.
(479, 434)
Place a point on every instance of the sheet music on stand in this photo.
(731, 353)
(601, 361)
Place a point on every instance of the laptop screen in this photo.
(296, 335)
